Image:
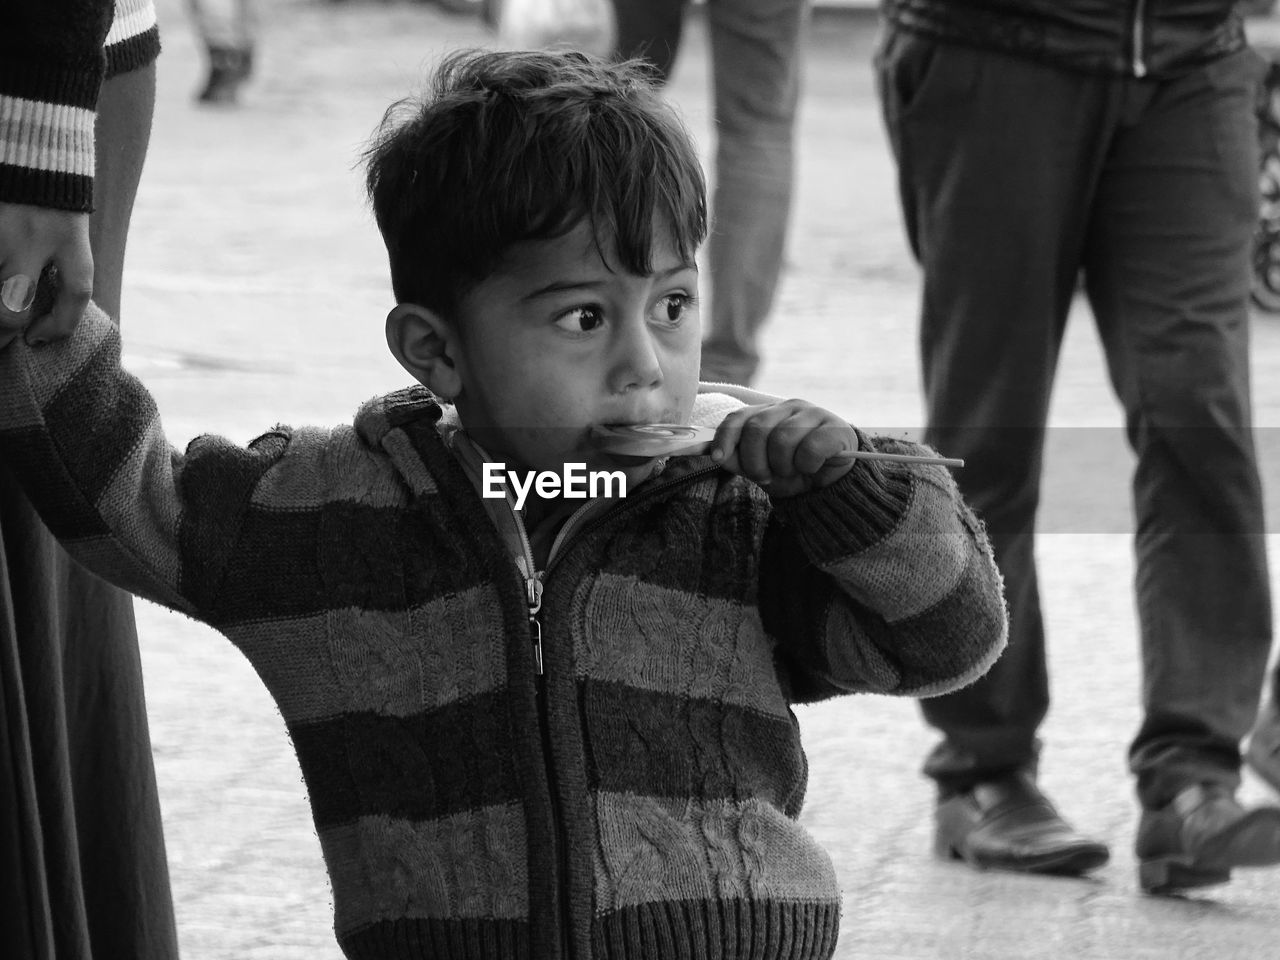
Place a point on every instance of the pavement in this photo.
(254, 294)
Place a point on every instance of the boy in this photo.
(563, 732)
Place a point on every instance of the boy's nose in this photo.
(636, 364)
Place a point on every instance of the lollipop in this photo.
(674, 439)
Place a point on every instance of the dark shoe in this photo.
(1263, 752)
(1008, 824)
(1198, 839)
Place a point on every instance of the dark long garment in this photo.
(82, 861)
(1014, 176)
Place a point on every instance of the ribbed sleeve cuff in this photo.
(134, 40)
(861, 508)
(134, 53)
(46, 154)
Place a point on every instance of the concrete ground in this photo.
(255, 292)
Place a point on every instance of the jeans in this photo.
(1015, 176)
(755, 57)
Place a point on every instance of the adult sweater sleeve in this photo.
(883, 582)
(52, 64)
(84, 439)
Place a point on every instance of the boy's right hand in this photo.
(30, 238)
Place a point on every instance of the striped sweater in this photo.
(639, 798)
(54, 55)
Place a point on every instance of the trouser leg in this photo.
(755, 54)
(1168, 276)
(997, 159)
(123, 132)
(225, 23)
(650, 29)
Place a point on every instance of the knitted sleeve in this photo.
(134, 39)
(52, 64)
(84, 439)
(884, 582)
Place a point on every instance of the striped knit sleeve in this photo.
(884, 582)
(51, 68)
(134, 40)
(84, 439)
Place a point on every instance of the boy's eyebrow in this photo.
(560, 286)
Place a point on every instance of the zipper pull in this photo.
(535, 633)
(533, 594)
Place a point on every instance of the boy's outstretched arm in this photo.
(874, 576)
(84, 439)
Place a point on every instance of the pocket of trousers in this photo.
(909, 70)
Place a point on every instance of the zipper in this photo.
(533, 599)
(581, 519)
(557, 821)
(1139, 64)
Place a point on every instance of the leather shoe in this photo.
(1263, 753)
(1008, 824)
(1196, 840)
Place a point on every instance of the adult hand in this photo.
(30, 238)
(788, 447)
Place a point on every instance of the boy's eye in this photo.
(580, 319)
(673, 307)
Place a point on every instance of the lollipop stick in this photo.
(896, 457)
(666, 439)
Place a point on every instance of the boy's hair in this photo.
(514, 146)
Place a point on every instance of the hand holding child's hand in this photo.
(30, 238)
(786, 447)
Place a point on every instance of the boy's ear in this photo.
(427, 346)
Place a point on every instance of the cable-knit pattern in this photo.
(638, 800)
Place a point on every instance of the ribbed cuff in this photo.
(46, 154)
(715, 929)
(414, 938)
(133, 53)
(861, 508)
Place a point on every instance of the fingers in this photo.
(74, 289)
(14, 302)
(18, 281)
(742, 438)
(17, 293)
(785, 446)
(32, 238)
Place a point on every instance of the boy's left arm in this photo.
(883, 581)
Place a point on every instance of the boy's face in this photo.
(554, 343)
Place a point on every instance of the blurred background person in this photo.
(755, 50)
(228, 31)
(1035, 142)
